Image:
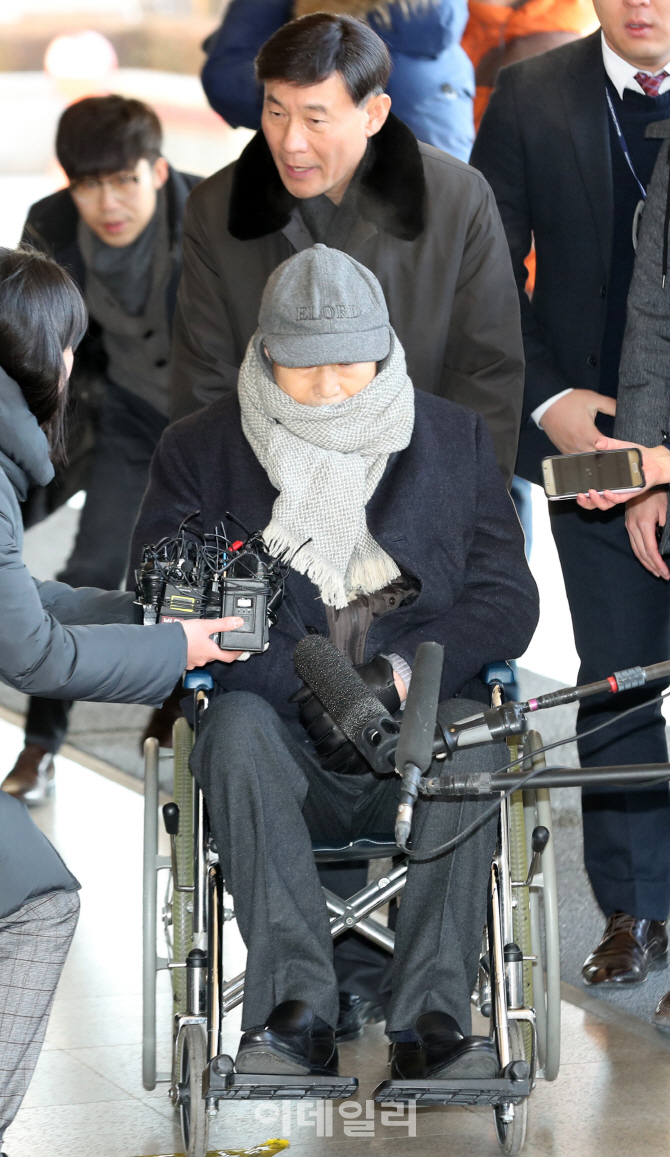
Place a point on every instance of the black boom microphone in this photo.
(383, 743)
(414, 753)
(367, 723)
(340, 689)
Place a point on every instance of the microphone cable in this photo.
(420, 857)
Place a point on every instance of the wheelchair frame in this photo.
(519, 980)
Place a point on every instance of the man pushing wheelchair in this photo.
(398, 527)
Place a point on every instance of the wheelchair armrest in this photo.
(499, 672)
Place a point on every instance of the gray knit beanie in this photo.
(321, 307)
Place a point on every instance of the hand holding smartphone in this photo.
(569, 475)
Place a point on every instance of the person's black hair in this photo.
(106, 134)
(42, 313)
(312, 48)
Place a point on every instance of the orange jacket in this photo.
(494, 26)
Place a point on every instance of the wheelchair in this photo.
(519, 974)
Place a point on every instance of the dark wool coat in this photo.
(441, 511)
(429, 230)
(544, 146)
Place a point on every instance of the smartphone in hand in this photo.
(567, 475)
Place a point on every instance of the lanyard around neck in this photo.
(624, 146)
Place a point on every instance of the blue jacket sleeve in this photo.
(424, 31)
(228, 76)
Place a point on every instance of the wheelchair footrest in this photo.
(494, 1091)
(231, 1086)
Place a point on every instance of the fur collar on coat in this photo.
(392, 190)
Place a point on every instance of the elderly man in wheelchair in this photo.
(390, 507)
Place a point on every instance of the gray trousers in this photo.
(33, 945)
(268, 797)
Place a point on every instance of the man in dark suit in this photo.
(563, 145)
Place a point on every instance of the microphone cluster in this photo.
(408, 749)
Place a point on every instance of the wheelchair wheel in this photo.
(149, 896)
(192, 1059)
(544, 927)
(182, 902)
(511, 1120)
(521, 912)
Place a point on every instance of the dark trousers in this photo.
(621, 618)
(128, 434)
(268, 797)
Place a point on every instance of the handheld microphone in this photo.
(414, 753)
(359, 714)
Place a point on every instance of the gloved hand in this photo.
(335, 751)
(377, 674)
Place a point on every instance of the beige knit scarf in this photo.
(326, 462)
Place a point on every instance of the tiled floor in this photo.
(86, 1100)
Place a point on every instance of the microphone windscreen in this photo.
(336, 685)
(417, 733)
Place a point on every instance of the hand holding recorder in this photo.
(201, 647)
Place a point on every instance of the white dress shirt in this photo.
(622, 75)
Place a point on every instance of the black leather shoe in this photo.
(355, 1013)
(289, 1043)
(627, 951)
(442, 1051)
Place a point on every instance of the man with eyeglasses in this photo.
(117, 228)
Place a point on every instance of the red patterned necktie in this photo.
(650, 84)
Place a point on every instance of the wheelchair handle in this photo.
(540, 839)
(171, 818)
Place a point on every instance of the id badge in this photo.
(637, 217)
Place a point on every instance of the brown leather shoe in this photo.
(661, 1017)
(163, 719)
(32, 777)
(627, 951)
